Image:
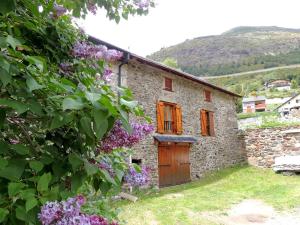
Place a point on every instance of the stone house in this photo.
(196, 122)
(254, 104)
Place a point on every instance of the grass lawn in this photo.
(186, 204)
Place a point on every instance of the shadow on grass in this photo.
(208, 179)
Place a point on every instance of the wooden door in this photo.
(173, 164)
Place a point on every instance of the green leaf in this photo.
(5, 77)
(4, 147)
(3, 214)
(137, 167)
(27, 193)
(13, 42)
(61, 120)
(86, 125)
(38, 61)
(77, 181)
(108, 178)
(21, 149)
(71, 103)
(92, 97)
(36, 165)
(21, 213)
(90, 168)
(43, 182)
(30, 204)
(75, 161)
(32, 84)
(3, 163)
(14, 170)
(14, 188)
(130, 104)
(18, 106)
(101, 122)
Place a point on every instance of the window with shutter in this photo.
(168, 84)
(207, 123)
(169, 118)
(207, 95)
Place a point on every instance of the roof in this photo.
(287, 101)
(175, 138)
(254, 99)
(155, 64)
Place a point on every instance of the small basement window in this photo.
(137, 161)
(168, 84)
(207, 95)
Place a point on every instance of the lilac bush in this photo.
(142, 4)
(69, 213)
(90, 51)
(137, 179)
(118, 137)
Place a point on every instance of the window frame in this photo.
(166, 86)
(173, 108)
(207, 95)
(210, 124)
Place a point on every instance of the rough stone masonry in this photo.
(264, 145)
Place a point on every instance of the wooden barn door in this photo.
(173, 164)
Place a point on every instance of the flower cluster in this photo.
(107, 75)
(142, 4)
(137, 179)
(90, 51)
(68, 213)
(92, 8)
(58, 11)
(118, 137)
(106, 166)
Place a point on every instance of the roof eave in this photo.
(162, 67)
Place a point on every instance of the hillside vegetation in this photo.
(238, 50)
(254, 83)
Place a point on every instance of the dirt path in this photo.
(255, 212)
(253, 72)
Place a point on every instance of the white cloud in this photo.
(173, 21)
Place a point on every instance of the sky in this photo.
(174, 21)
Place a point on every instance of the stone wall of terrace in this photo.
(264, 145)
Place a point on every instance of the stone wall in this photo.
(209, 153)
(264, 145)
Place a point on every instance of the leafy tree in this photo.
(294, 84)
(56, 105)
(171, 62)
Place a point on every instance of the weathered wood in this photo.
(128, 196)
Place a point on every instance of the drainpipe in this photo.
(124, 61)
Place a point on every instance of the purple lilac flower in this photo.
(90, 51)
(50, 212)
(66, 68)
(137, 179)
(142, 4)
(106, 166)
(118, 137)
(107, 75)
(69, 213)
(92, 8)
(59, 10)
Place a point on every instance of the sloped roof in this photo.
(254, 99)
(287, 101)
(155, 64)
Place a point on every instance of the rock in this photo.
(287, 164)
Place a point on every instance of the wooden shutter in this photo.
(168, 84)
(203, 120)
(178, 119)
(211, 124)
(207, 95)
(160, 117)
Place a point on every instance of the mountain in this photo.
(237, 50)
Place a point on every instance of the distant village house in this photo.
(279, 84)
(254, 104)
(291, 108)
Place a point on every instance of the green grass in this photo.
(257, 114)
(184, 204)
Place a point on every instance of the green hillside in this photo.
(254, 83)
(238, 50)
